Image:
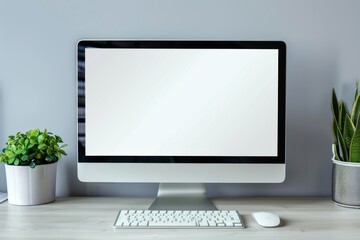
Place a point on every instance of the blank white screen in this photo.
(181, 102)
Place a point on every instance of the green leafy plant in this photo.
(32, 148)
(346, 128)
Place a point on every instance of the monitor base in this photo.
(182, 196)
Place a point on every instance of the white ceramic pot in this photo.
(31, 186)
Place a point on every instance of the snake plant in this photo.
(346, 128)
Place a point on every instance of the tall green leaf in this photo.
(339, 112)
(336, 152)
(355, 110)
(342, 116)
(349, 130)
(336, 143)
(343, 148)
(356, 89)
(335, 105)
(355, 146)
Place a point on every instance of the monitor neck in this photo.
(182, 196)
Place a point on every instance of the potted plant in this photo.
(30, 163)
(346, 152)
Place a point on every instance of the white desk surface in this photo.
(93, 217)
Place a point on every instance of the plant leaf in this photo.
(349, 130)
(355, 110)
(355, 146)
(62, 152)
(33, 132)
(335, 105)
(9, 153)
(58, 139)
(32, 164)
(41, 138)
(49, 150)
(16, 162)
(356, 89)
(345, 156)
(342, 116)
(20, 149)
(42, 146)
(11, 161)
(336, 153)
(336, 143)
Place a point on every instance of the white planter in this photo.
(31, 186)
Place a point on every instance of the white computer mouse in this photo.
(266, 219)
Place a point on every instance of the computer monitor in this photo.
(180, 113)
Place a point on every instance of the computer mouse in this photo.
(266, 219)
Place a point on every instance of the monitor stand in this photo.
(182, 196)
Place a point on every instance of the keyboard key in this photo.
(169, 224)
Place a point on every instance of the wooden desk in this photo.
(92, 218)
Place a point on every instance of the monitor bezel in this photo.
(187, 44)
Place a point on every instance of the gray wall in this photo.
(37, 71)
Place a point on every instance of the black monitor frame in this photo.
(183, 44)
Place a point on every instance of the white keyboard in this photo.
(178, 219)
